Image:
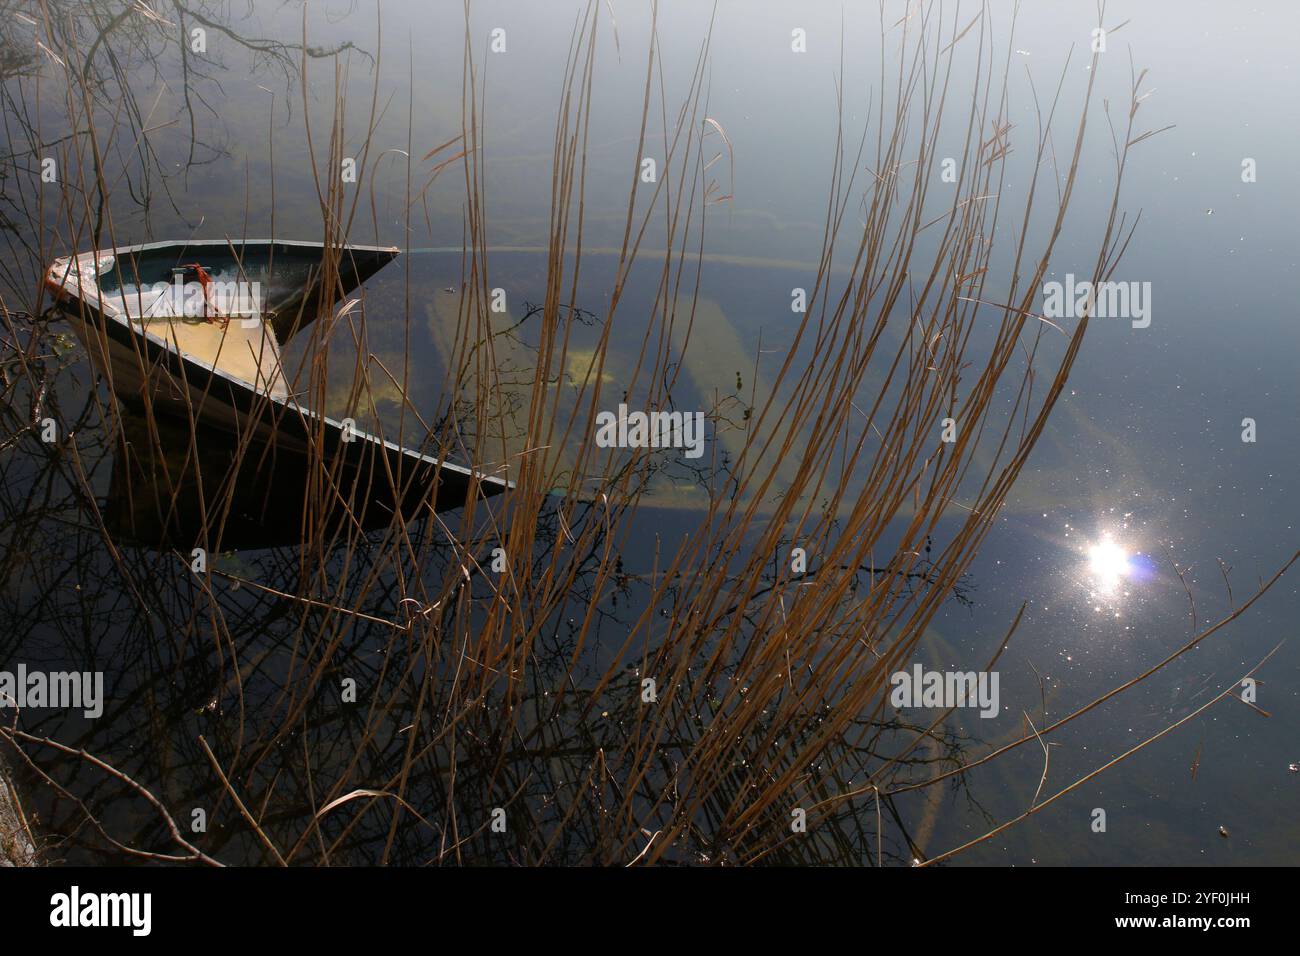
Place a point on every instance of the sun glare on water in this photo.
(1109, 565)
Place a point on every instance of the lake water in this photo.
(1144, 449)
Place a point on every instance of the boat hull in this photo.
(363, 476)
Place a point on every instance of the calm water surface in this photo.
(1144, 450)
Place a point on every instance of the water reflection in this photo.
(1108, 565)
(177, 486)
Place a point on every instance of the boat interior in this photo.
(229, 306)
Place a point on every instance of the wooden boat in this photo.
(162, 326)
